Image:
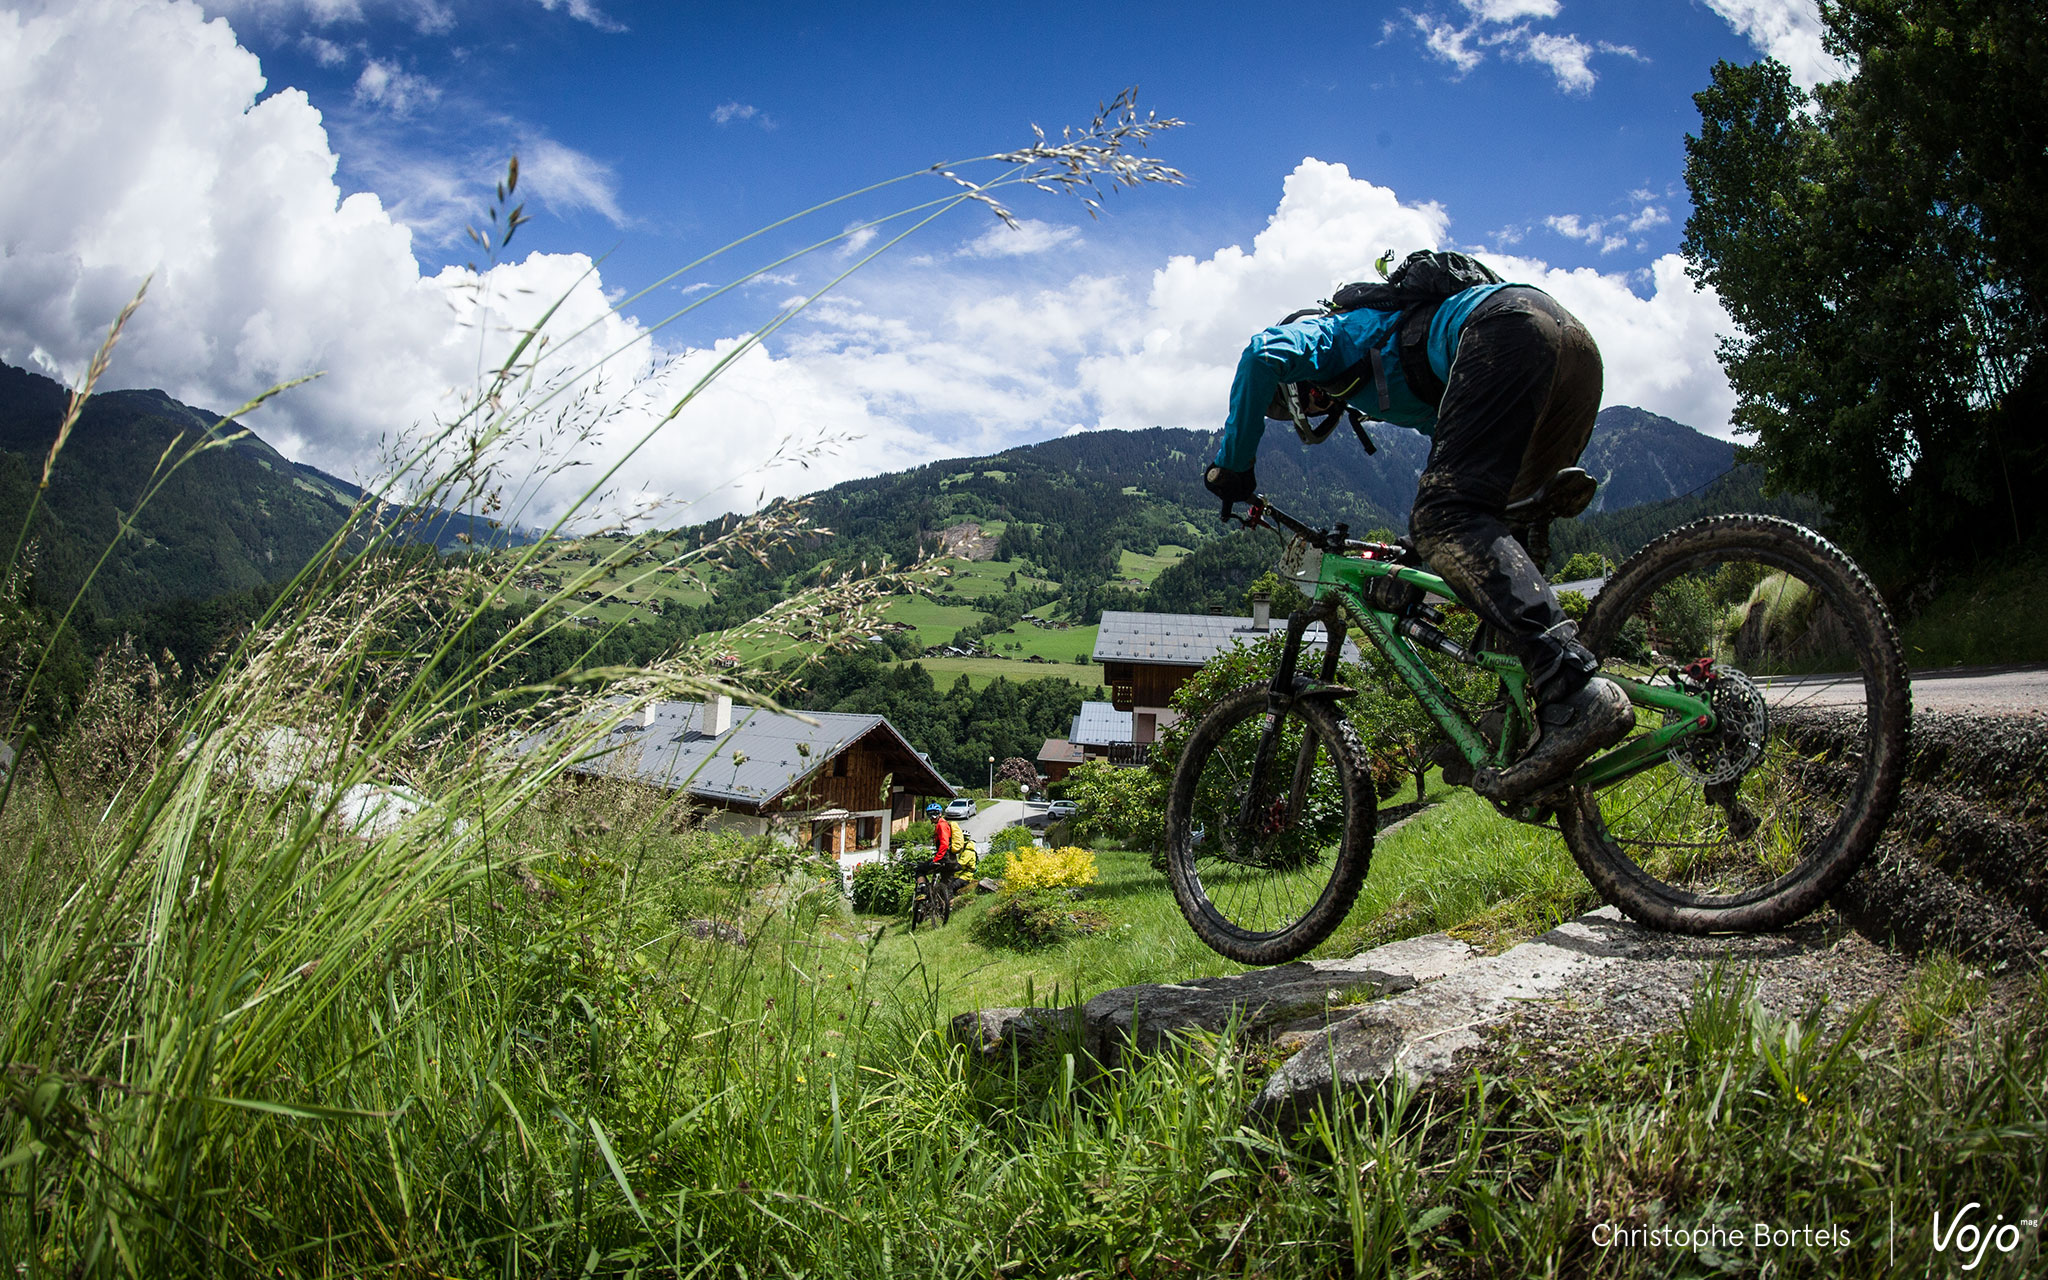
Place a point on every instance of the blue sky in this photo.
(299, 173)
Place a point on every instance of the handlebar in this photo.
(1262, 514)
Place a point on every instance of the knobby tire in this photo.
(1863, 779)
(1325, 883)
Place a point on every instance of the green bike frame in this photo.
(1336, 581)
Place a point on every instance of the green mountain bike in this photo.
(1771, 706)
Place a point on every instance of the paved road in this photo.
(2014, 690)
(984, 825)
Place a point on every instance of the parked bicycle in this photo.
(1751, 647)
(931, 893)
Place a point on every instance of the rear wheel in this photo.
(1266, 857)
(1752, 826)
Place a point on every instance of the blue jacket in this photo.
(1321, 347)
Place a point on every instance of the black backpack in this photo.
(1425, 276)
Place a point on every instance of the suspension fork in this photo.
(1280, 695)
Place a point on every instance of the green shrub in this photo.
(881, 889)
(1025, 920)
(1124, 805)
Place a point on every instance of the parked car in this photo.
(961, 808)
(1061, 809)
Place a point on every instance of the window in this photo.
(839, 765)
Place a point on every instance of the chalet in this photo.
(1057, 758)
(1146, 657)
(846, 782)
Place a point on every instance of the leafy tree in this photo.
(1586, 564)
(1018, 770)
(1121, 804)
(1286, 597)
(1883, 247)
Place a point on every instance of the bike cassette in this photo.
(1737, 742)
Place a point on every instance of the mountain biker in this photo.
(1506, 382)
(943, 836)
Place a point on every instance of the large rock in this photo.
(1264, 1003)
(996, 1033)
(1417, 1010)
(1419, 1033)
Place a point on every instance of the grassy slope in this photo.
(1996, 614)
(1456, 865)
(1144, 568)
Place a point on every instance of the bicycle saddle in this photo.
(1561, 497)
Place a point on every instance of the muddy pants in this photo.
(1517, 408)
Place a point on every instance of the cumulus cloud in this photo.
(428, 17)
(1450, 43)
(325, 52)
(386, 85)
(1788, 30)
(727, 112)
(1612, 233)
(1505, 25)
(1593, 233)
(1027, 237)
(567, 180)
(1510, 10)
(1170, 360)
(136, 144)
(137, 140)
(584, 11)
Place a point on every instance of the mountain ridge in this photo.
(231, 519)
(245, 515)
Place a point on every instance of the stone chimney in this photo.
(718, 715)
(1262, 612)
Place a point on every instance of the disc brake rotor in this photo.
(1742, 722)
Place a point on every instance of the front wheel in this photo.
(1267, 855)
(1753, 825)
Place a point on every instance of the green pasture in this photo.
(975, 579)
(1059, 646)
(936, 622)
(1144, 568)
(980, 671)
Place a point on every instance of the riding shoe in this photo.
(1573, 727)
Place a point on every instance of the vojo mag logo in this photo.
(1970, 1238)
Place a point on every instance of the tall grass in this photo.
(245, 1032)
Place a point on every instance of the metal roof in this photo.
(760, 757)
(1587, 587)
(1060, 751)
(1098, 725)
(1186, 639)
